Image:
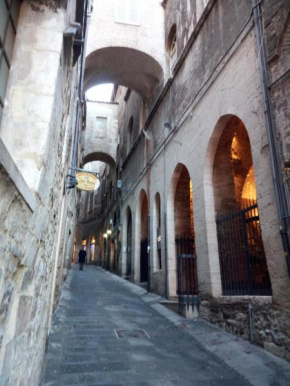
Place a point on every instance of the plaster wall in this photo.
(147, 36)
(101, 135)
(30, 97)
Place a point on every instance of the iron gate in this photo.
(187, 286)
(241, 252)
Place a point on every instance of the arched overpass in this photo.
(137, 62)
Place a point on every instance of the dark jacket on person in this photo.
(82, 255)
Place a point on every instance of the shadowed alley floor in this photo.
(107, 331)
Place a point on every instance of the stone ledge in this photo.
(242, 299)
(14, 174)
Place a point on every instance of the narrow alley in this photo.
(150, 141)
(107, 331)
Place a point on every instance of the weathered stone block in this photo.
(6, 303)
(31, 254)
(24, 314)
(27, 279)
(279, 338)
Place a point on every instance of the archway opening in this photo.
(92, 249)
(101, 157)
(144, 240)
(124, 66)
(100, 93)
(183, 205)
(185, 239)
(129, 244)
(242, 257)
(157, 234)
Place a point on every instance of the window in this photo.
(9, 15)
(172, 45)
(101, 126)
(127, 11)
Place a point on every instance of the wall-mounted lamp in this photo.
(119, 184)
(120, 187)
(109, 232)
(105, 235)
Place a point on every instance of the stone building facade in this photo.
(193, 157)
(40, 67)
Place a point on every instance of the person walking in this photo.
(82, 258)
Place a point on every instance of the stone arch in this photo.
(124, 66)
(228, 175)
(98, 156)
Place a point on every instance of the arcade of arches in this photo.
(185, 207)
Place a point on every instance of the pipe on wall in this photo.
(275, 159)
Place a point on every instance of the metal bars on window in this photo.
(241, 252)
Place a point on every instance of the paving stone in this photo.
(84, 349)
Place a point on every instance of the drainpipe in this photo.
(275, 159)
(80, 102)
(165, 226)
(148, 142)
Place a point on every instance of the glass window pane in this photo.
(133, 4)
(9, 41)
(3, 18)
(4, 72)
(15, 10)
(121, 15)
(122, 3)
(133, 16)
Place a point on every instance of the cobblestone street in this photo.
(107, 331)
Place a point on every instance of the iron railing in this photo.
(242, 257)
(187, 286)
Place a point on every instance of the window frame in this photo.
(127, 11)
(12, 18)
(173, 46)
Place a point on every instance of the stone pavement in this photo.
(107, 331)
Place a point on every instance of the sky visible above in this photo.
(101, 93)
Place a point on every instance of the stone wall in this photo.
(276, 18)
(271, 328)
(37, 216)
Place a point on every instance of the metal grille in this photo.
(187, 287)
(241, 252)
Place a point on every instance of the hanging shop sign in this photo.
(86, 181)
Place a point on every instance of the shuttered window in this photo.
(9, 15)
(127, 11)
